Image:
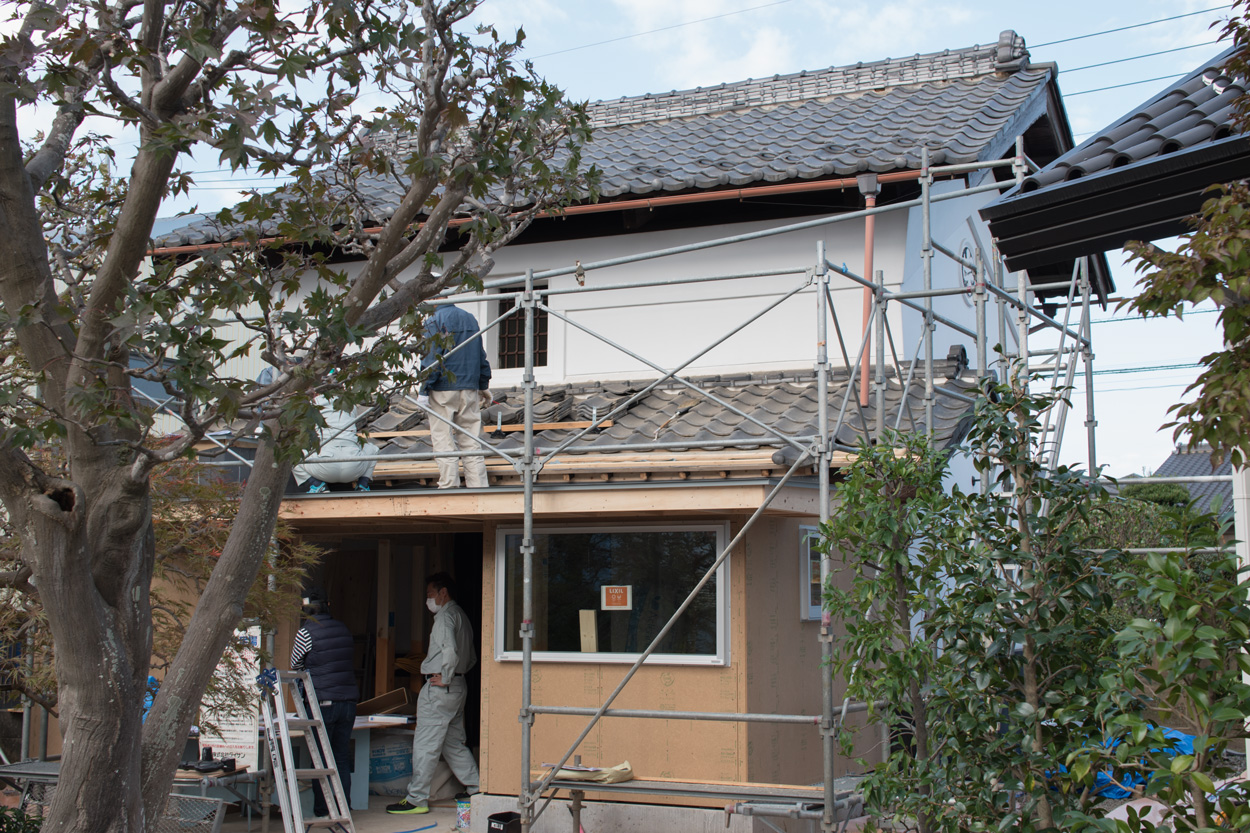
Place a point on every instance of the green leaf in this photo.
(1181, 763)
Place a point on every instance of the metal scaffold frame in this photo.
(990, 285)
(990, 282)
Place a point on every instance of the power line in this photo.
(1143, 318)
(661, 29)
(1115, 371)
(1139, 57)
(1129, 84)
(1133, 26)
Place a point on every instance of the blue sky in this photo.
(598, 49)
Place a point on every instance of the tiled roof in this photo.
(1198, 464)
(964, 105)
(673, 413)
(1193, 112)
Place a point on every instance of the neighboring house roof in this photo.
(1137, 179)
(965, 105)
(1198, 464)
(673, 413)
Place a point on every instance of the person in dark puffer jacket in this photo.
(324, 648)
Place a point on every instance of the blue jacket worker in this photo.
(440, 705)
(457, 386)
(324, 648)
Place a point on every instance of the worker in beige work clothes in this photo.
(440, 706)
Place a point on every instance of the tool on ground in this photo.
(285, 772)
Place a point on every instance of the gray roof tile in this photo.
(672, 413)
(1193, 111)
(837, 121)
(1198, 464)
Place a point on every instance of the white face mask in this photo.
(434, 606)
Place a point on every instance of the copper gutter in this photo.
(870, 234)
(623, 205)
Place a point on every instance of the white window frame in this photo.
(722, 585)
(807, 611)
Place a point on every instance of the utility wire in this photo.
(1115, 371)
(1143, 318)
(1129, 84)
(661, 29)
(1139, 57)
(1133, 26)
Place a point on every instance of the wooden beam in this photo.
(384, 666)
(488, 429)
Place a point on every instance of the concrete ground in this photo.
(442, 816)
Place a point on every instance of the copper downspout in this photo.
(628, 205)
(869, 186)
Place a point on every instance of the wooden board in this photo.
(506, 429)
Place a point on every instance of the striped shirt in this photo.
(303, 644)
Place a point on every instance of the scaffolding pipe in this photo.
(911, 376)
(715, 717)
(832, 314)
(828, 734)
(672, 374)
(755, 235)
(961, 260)
(933, 293)
(1087, 360)
(476, 296)
(926, 254)
(979, 299)
(528, 474)
(882, 310)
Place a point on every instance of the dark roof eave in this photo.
(1015, 203)
(1095, 214)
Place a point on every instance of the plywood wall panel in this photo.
(699, 750)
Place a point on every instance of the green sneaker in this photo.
(403, 808)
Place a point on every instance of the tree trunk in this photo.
(915, 696)
(216, 616)
(1032, 686)
(92, 551)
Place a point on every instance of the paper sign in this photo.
(616, 597)
(236, 736)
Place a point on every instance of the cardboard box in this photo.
(398, 701)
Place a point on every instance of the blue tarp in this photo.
(1106, 787)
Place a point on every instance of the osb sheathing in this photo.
(783, 661)
(695, 750)
(774, 667)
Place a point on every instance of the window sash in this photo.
(511, 352)
(809, 574)
(720, 583)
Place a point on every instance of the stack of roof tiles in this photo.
(740, 412)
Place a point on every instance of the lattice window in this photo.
(512, 336)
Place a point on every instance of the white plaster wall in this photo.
(950, 228)
(669, 325)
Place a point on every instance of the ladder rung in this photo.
(313, 773)
(300, 722)
(326, 821)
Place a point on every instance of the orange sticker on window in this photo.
(616, 597)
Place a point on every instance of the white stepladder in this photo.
(285, 774)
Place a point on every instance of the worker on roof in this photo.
(440, 705)
(457, 387)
